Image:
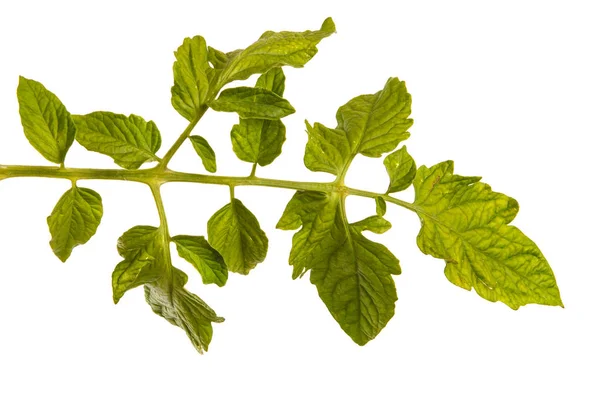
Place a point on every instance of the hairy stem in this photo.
(158, 175)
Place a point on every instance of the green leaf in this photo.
(273, 80)
(148, 262)
(375, 224)
(206, 153)
(208, 262)
(401, 169)
(465, 223)
(46, 122)
(251, 102)
(74, 220)
(190, 91)
(353, 274)
(235, 233)
(376, 123)
(260, 140)
(130, 141)
(145, 259)
(380, 206)
(183, 309)
(275, 49)
(370, 125)
(217, 58)
(327, 150)
(129, 274)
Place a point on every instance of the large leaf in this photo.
(273, 49)
(183, 309)
(46, 122)
(260, 140)
(74, 220)
(235, 233)
(190, 91)
(353, 274)
(207, 261)
(465, 223)
(369, 124)
(130, 141)
(253, 102)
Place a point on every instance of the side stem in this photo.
(184, 135)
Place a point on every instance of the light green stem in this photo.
(184, 135)
(158, 175)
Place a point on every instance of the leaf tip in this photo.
(328, 26)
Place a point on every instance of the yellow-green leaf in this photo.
(183, 309)
(380, 206)
(190, 90)
(46, 122)
(145, 259)
(205, 152)
(260, 140)
(466, 224)
(130, 141)
(401, 169)
(275, 49)
(369, 124)
(74, 220)
(207, 261)
(236, 234)
(353, 274)
(251, 102)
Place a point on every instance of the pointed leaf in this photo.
(273, 80)
(129, 274)
(370, 124)
(130, 141)
(46, 122)
(183, 309)
(74, 220)
(217, 58)
(235, 233)
(206, 153)
(376, 123)
(145, 259)
(189, 93)
(352, 273)
(207, 261)
(327, 150)
(401, 169)
(465, 223)
(275, 49)
(251, 102)
(375, 224)
(260, 140)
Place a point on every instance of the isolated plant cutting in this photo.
(463, 221)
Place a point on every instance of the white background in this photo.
(509, 90)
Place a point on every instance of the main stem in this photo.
(158, 176)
